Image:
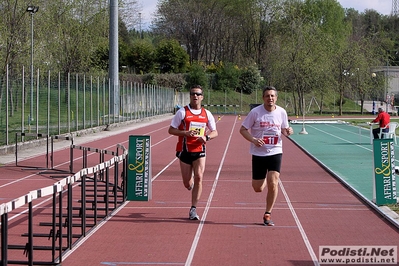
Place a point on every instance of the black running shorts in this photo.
(262, 164)
(189, 157)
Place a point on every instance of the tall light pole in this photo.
(32, 10)
(113, 58)
(141, 35)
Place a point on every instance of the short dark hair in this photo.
(196, 87)
(269, 88)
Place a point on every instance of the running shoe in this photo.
(267, 220)
(193, 214)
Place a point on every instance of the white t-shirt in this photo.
(266, 125)
(180, 114)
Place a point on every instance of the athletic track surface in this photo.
(313, 209)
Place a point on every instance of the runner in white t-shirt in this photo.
(263, 127)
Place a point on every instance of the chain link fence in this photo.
(55, 104)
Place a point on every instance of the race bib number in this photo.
(270, 139)
(198, 127)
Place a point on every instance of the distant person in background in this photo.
(383, 120)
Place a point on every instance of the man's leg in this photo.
(186, 174)
(259, 173)
(376, 131)
(272, 189)
(199, 168)
(258, 185)
(385, 130)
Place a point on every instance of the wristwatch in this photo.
(207, 138)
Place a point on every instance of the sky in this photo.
(383, 7)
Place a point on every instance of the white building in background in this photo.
(392, 76)
(391, 89)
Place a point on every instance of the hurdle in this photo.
(223, 108)
(58, 171)
(39, 135)
(52, 233)
(84, 155)
(49, 153)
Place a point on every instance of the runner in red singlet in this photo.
(194, 126)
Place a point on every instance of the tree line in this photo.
(302, 47)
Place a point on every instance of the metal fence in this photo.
(55, 104)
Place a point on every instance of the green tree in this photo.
(140, 57)
(197, 76)
(250, 79)
(99, 59)
(171, 57)
(14, 36)
(227, 77)
(78, 28)
(311, 33)
(211, 30)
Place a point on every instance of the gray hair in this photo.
(269, 88)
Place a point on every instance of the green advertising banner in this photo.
(139, 169)
(384, 171)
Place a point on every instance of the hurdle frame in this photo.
(58, 171)
(49, 152)
(37, 135)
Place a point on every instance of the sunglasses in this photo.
(195, 93)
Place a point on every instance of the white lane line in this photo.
(140, 263)
(45, 200)
(163, 170)
(345, 140)
(371, 150)
(301, 230)
(208, 204)
(77, 244)
(17, 180)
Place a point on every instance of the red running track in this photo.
(313, 209)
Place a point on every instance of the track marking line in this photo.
(347, 141)
(141, 263)
(301, 230)
(77, 158)
(103, 222)
(359, 145)
(163, 170)
(208, 204)
(92, 231)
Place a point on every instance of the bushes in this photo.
(228, 78)
(167, 64)
(197, 76)
(250, 80)
(174, 81)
